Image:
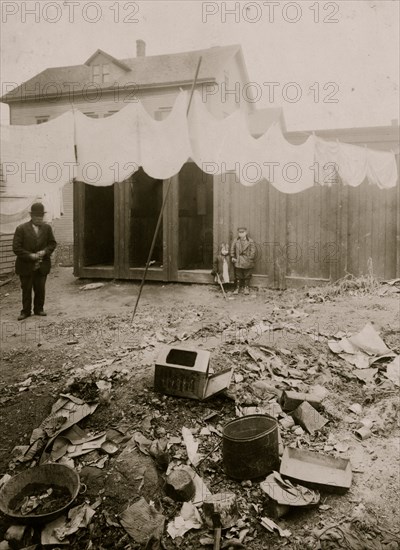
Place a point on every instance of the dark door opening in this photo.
(146, 202)
(195, 218)
(99, 226)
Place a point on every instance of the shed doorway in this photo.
(146, 197)
(195, 219)
(98, 234)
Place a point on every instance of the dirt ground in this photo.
(83, 327)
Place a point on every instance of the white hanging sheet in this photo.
(37, 161)
(14, 210)
(354, 164)
(293, 172)
(382, 168)
(225, 145)
(165, 145)
(38, 154)
(110, 150)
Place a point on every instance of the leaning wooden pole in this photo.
(160, 217)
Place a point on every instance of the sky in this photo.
(328, 64)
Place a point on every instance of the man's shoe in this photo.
(41, 313)
(236, 291)
(246, 290)
(23, 316)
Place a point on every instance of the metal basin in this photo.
(52, 475)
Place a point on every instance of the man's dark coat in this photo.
(26, 242)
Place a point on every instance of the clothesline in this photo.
(40, 159)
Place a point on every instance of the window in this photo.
(101, 73)
(162, 113)
(41, 119)
(106, 73)
(92, 115)
(96, 73)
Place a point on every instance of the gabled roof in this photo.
(146, 71)
(109, 57)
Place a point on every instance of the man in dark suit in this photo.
(33, 244)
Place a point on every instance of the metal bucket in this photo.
(250, 447)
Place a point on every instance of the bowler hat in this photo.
(37, 209)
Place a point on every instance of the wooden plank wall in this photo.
(372, 228)
(317, 235)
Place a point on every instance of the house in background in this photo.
(311, 237)
(101, 87)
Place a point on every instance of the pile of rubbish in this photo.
(274, 453)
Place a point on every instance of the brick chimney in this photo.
(140, 48)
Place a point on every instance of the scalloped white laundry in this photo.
(110, 150)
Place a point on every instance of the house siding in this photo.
(7, 258)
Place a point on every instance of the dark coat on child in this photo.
(244, 252)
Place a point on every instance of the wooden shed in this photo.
(307, 238)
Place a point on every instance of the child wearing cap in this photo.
(243, 253)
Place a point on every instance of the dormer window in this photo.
(101, 74)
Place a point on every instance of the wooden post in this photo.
(160, 217)
(397, 244)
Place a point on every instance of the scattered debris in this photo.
(267, 380)
(287, 495)
(189, 518)
(316, 470)
(223, 504)
(365, 375)
(91, 286)
(191, 446)
(142, 522)
(272, 526)
(356, 408)
(291, 399)
(179, 486)
(201, 489)
(393, 371)
(78, 517)
(363, 433)
(309, 418)
(19, 536)
(363, 349)
(185, 372)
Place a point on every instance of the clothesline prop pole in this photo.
(75, 142)
(160, 217)
(193, 85)
(222, 287)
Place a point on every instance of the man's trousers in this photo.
(37, 282)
